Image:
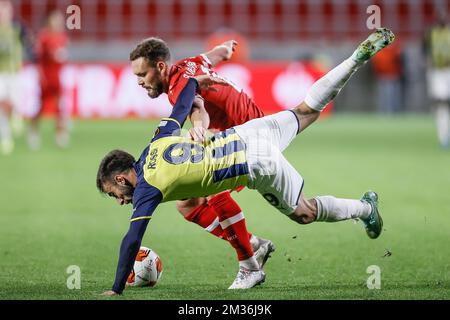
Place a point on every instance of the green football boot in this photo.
(374, 223)
(379, 39)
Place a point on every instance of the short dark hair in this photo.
(152, 49)
(116, 161)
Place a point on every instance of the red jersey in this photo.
(51, 53)
(227, 107)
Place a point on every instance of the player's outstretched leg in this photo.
(332, 209)
(200, 212)
(232, 221)
(326, 88)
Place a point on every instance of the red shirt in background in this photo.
(387, 62)
(227, 107)
(51, 54)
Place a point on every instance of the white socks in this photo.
(326, 88)
(443, 124)
(250, 263)
(331, 209)
(254, 241)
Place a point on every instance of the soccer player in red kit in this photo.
(51, 53)
(219, 109)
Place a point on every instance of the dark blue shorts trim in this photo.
(298, 121)
(301, 189)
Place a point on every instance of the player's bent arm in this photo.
(200, 121)
(199, 116)
(183, 106)
(128, 251)
(221, 52)
(180, 112)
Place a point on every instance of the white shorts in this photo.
(9, 89)
(439, 84)
(269, 172)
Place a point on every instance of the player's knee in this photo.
(306, 115)
(303, 109)
(186, 206)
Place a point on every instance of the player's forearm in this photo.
(128, 251)
(183, 106)
(217, 54)
(199, 116)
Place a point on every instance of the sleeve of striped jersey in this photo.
(128, 251)
(180, 111)
(145, 200)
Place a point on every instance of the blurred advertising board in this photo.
(93, 90)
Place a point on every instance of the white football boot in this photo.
(262, 249)
(246, 279)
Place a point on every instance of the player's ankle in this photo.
(250, 263)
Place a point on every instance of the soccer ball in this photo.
(147, 269)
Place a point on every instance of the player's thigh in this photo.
(277, 130)
(186, 206)
(278, 182)
(306, 210)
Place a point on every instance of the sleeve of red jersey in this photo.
(179, 80)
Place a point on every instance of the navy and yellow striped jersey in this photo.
(181, 168)
(437, 45)
(174, 167)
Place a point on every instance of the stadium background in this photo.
(52, 216)
(324, 31)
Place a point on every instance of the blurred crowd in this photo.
(47, 49)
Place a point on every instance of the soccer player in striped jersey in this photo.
(175, 167)
(218, 110)
(437, 46)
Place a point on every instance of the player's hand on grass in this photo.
(109, 293)
(206, 82)
(198, 134)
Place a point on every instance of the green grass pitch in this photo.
(51, 217)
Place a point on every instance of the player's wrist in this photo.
(116, 289)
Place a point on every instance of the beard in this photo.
(156, 90)
(128, 191)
